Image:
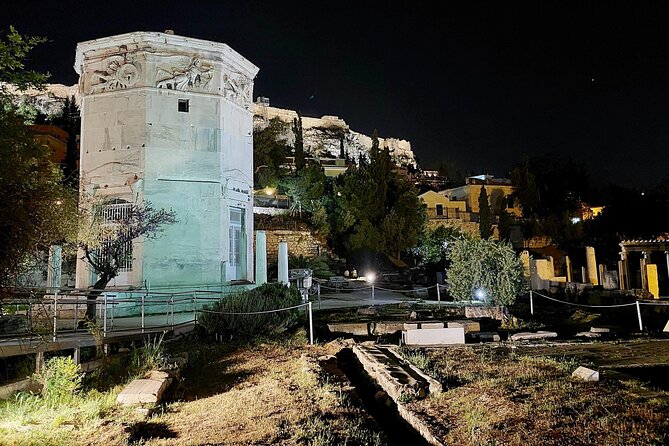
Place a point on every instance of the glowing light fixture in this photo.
(480, 294)
(370, 277)
(269, 191)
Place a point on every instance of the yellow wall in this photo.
(432, 199)
(470, 194)
(653, 287)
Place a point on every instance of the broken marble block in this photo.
(528, 336)
(586, 374)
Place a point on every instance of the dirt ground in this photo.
(271, 393)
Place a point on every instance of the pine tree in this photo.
(299, 143)
(485, 216)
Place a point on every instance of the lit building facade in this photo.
(168, 119)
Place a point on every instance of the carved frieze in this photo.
(238, 88)
(119, 71)
(184, 73)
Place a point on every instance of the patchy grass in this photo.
(271, 393)
(492, 396)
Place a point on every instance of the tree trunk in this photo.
(93, 294)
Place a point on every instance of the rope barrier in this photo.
(583, 305)
(255, 312)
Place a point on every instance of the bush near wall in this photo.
(242, 327)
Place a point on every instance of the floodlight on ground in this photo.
(480, 294)
(370, 277)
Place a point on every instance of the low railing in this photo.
(54, 312)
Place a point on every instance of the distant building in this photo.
(441, 211)
(54, 138)
(499, 190)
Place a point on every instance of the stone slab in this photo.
(469, 326)
(358, 329)
(666, 328)
(588, 334)
(586, 374)
(396, 376)
(434, 336)
(528, 336)
(22, 385)
(499, 313)
(410, 326)
(485, 336)
(431, 325)
(142, 391)
(600, 330)
(381, 328)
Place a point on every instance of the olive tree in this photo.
(485, 270)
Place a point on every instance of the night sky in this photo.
(480, 83)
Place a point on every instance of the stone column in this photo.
(584, 275)
(54, 267)
(602, 271)
(525, 261)
(666, 253)
(622, 280)
(642, 265)
(591, 262)
(261, 257)
(283, 262)
(567, 267)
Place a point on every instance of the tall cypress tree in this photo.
(299, 142)
(485, 216)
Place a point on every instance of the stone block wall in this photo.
(299, 243)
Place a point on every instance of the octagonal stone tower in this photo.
(168, 119)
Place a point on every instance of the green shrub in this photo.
(60, 379)
(484, 270)
(247, 326)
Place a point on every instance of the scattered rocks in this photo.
(528, 336)
(586, 374)
(413, 316)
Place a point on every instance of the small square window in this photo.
(183, 105)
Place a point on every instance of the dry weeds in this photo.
(493, 397)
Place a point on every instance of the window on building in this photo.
(440, 209)
(235, 233)
(184, 105)
(114, 214)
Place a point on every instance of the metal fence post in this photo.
(311, 325)
(638, 312)
(112, 311)
(439, 293)
(195, 308)
(55, 314)
(531, 304)
(104, 321)
(172, 309)
(76, 312)
(372, 290)
(318, 287)
(143, 297)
